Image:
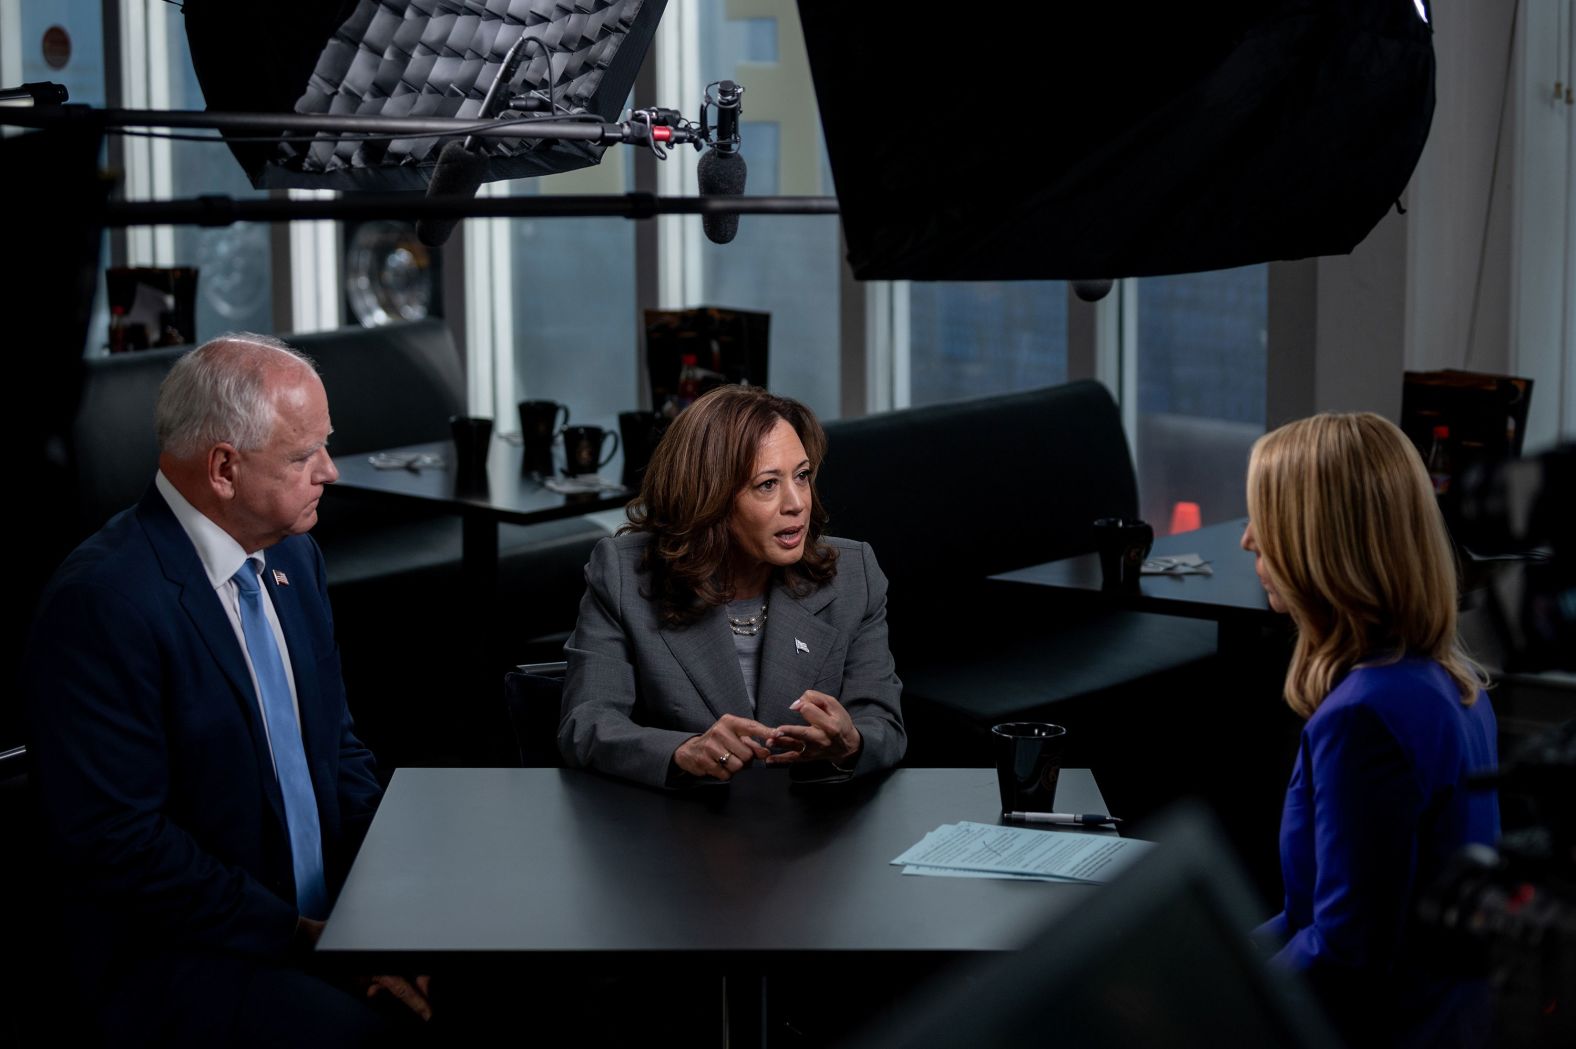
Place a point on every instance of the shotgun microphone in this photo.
(722, 170)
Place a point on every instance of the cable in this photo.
(1493, 183)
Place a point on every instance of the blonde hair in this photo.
(1351, 537)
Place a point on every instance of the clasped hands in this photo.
(734, 742)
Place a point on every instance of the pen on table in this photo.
(1071, 819)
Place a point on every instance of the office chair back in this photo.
(532, 695)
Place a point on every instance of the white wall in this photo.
(1451, 258)
(1479, 273)
(1542, 325)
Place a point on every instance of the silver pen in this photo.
(1070, 819)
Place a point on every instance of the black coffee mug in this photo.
(1028, 764)
(472, 441)
(1123, 544)
(582, 446)
(640, 432)
(539, 422)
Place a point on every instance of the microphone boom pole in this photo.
(360, 207)
(568, 128)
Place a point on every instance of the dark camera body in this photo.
(1510, 913)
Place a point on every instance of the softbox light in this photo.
(1098, 140)
(422, 58)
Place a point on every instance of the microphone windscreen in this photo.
(459, 172)
(720, 175)
(1091, 290)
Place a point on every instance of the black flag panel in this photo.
(1115, 140)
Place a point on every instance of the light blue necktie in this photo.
(295, 781)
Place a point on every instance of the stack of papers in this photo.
(1179, 564)
(988, 850)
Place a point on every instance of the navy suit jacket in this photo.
(152, 764)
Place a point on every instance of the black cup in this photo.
(1028, 764)
(538, 423)
(472, 440)
(640, 432)
(1123, 544)
(583, 445)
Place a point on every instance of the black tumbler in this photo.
(1123, 544)
(539, 423)
(1028, 764)
(640, 432)
(472, 442)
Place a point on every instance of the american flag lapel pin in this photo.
(280, 579)
(800, 646)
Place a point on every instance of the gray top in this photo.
(748, 646)
(635, 688)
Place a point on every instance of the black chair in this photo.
(532, 695)
(40, 1004)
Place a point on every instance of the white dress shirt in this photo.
(221, 555)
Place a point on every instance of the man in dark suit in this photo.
(202, 785)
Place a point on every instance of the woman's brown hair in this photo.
(702, 463)
(1352, 539)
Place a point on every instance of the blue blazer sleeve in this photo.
(1367, 801)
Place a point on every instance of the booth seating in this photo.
(394, 575)
(950, 495)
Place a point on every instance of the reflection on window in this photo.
(973, 339)
(233, 281)
(1201, 357)
(573, 293)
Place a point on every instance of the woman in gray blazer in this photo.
(721, 628)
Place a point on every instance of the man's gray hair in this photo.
(219, 392)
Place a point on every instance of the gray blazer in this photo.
(635, 689)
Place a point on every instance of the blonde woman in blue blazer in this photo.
(1350, 543)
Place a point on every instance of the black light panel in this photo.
(1097, 140)
(423, 58)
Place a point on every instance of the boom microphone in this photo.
(722, 170)
(462, 167)
(459, 172)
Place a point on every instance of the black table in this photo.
(1232, 596)
(506, 495)
(574, 867)
(509, 496)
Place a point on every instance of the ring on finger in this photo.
(724, 759)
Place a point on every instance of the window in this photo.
(572, 294)
(233, 262)
(787, 266)
(1200, 357)
(973, 339)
